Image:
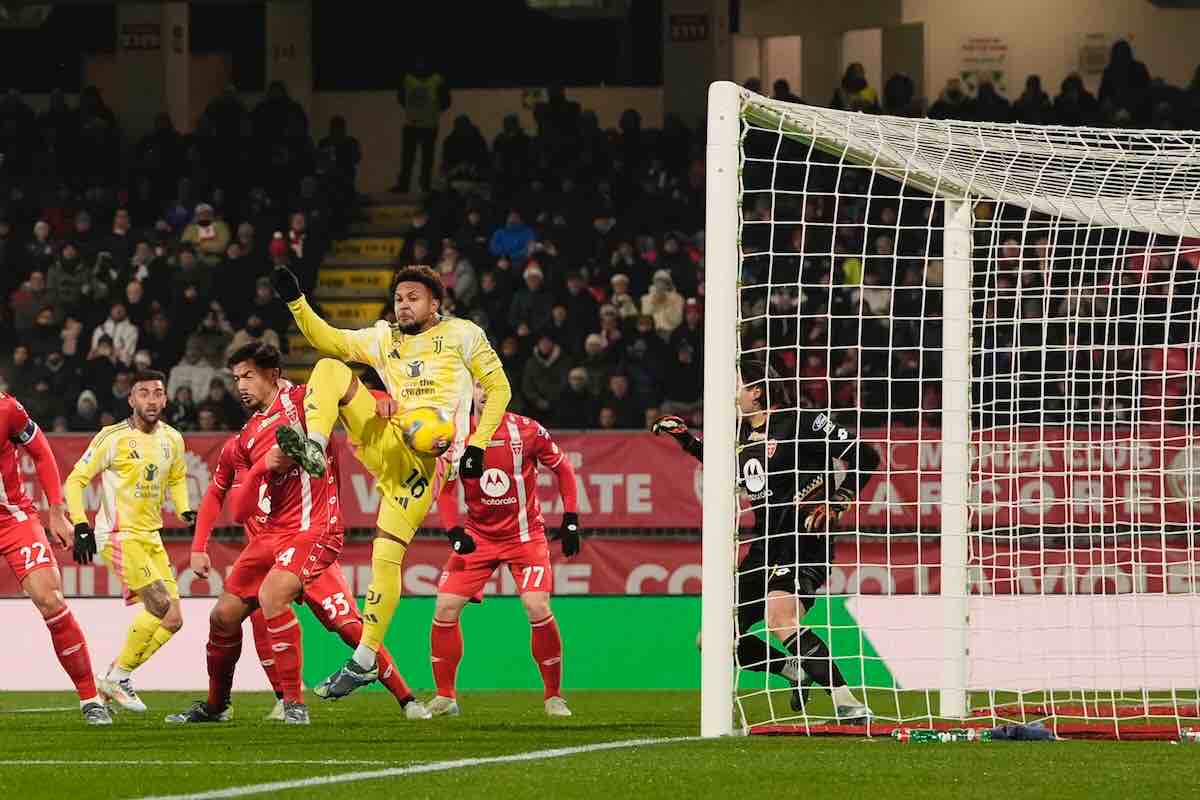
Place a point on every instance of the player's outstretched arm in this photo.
(343, 344)
(497, 394)
(677, 429)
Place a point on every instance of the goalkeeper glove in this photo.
(85, 543)
(461, 542)
(190, 518)
(825, 514)
(286, 284)
(568, 532)
(471, 463)
(672, 426)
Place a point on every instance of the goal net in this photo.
(1008, 315)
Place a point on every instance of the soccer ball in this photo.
(427, 430)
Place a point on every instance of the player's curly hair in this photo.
(427, 276)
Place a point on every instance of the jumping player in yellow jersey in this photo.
(139, 460)
(426, 359)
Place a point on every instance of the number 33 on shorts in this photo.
(336, 605)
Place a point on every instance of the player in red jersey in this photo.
(301, 538)
(24, 545)
(504, 526)
(329, 597)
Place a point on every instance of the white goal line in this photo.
(416, 769)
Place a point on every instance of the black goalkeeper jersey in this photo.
(784, 467)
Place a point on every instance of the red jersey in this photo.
(229, 472)
(503, 504)
(16, 429)
(293, 502)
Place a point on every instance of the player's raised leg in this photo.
(44, 587)
(330, 386)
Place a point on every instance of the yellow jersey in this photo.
(136, 470)
(436, 368)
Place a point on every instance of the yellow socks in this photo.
(387, 558)
(161, 636)
(138, 641)
(326, 386)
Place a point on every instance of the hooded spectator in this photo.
(69, 282)
(621, 298)
(87, 413)
(1033, 107)
(532, 304)
(40, 252)
(663, 303)
(209, 236)
(124, 334)
(254, 330)
(181, 412)
(597, 361)
(545, 376)
(577, 406)
(464, 151)
(192, 371)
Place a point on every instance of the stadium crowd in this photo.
(579, 250)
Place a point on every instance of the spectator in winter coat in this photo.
(28, 300)
(253, 331)
(621, 298)
(577, 406)
(684, 384)
(87, 413)
(193, 372)
(40, 251)
(663, 303)
(124, 334)
(545, 376)
(464, 151)
(209, 236)
(630, 410)
(458, 275)
(513, 239)
(68, 283)
(532, 304)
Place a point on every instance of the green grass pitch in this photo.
(51, 754)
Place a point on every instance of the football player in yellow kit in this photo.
(141, 462)
(425, 359)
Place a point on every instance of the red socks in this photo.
(445, 651)
(262, 644)
(284, 629)
(72, 652)
(546, 645)
(223, 652)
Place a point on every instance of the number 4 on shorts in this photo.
(285, 557)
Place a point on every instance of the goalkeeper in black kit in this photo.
(786, 463)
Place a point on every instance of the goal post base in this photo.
(1099, 731)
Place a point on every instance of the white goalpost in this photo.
(1009, 316)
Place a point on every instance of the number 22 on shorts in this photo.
(35, 554)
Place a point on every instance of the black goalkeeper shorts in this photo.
(758, 575)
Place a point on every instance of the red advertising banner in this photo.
(662, 565)
(1030, 478)
(1035, 477)
(626, 480)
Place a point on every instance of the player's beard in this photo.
(144, 416)
(411, 329)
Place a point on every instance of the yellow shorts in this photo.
(407, 481)
(139, 560)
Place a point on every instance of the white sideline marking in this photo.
(57, 762)
(416, 769)
(37, 710)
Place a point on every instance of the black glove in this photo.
(670, 425)
(85, 543)
(190, 518)
(471, 463)
(286, 284)
(825, 514)
(460, 541)
(568, 532)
